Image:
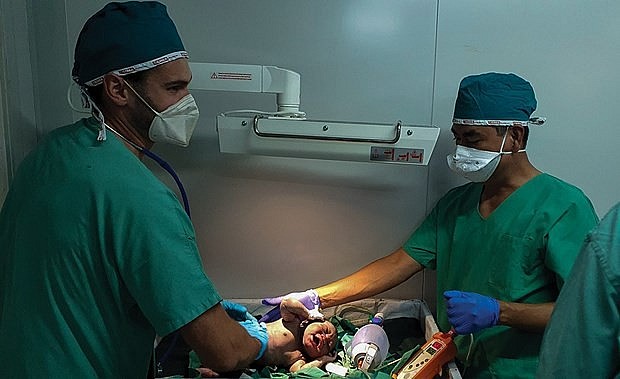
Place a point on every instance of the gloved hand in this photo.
(470, 312)
(236, 311)
(309, 298)
(257, 330)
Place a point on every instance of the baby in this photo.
(296, 340)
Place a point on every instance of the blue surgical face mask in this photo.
(476, 165)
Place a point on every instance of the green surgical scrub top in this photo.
(97, 255)
(582, 339)
(522, 252)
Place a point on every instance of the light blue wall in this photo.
(269, 225)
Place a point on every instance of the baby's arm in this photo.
(318, 362)
(292, 309)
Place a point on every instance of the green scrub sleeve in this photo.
(586, 318)
(422, 244)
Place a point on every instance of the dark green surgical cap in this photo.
(494, 96)
(125, 37)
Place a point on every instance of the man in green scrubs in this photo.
(502, 245)
(96, 254)
(583, 336)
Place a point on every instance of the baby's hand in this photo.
(291, 309)
(207, 373)
(318, 362)
(327, 358)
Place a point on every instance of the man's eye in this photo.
(176, 88)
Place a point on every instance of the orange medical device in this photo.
(429, 360)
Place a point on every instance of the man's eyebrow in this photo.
(469, 133)
(176, 83)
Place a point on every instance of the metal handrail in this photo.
(397, 130)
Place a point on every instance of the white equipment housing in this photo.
(287, 133)
(289, 137)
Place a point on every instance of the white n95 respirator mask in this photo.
(473, 164)
(175, 124)
(476, 165)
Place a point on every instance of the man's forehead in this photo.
(177, 70)
(468, 129)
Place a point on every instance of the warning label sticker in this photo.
(393, 154)
(231, 76)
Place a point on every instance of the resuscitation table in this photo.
(409, 324)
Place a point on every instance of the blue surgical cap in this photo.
(125, 38)
(494, 99)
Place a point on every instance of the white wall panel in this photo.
(269, 225)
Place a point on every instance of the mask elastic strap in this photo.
(88, 103)
(141, 98)
(501, 152)
(85, 104)
(501, 148)
(98, 115)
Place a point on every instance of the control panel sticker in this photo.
(395, 154)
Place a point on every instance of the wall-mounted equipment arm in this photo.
(249, 78)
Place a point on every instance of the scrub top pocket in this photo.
(515, 269)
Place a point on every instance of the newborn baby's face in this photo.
(319, 339)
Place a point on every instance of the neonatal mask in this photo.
(476, 165)
(176, 123)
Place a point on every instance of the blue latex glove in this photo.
(309, 298)
(236, 311)
(470, 312)
(257, 330)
